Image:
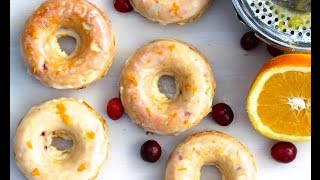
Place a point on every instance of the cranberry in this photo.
(274, 51)
(123, 6)
(150, 151)
(249, 41)
(115, 108)
(222, 114)
(284, 152)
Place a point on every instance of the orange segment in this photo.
(279, 101)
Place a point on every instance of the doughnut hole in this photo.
(60, 144)
(210, 172)
(67, 44)
(167, 86)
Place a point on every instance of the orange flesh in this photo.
(274, 98)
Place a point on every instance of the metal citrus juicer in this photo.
(284, 24)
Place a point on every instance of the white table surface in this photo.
(216, 34)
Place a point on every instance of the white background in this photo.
(216, 34)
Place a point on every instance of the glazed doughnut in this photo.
(94, 51)
(173, 11)
(71, 119)
(233, 159)
(151, 109)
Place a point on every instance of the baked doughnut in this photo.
(174, 11)
(80, 19)
(151, 109)
(233, 159)
(67, 118)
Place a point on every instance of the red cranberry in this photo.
(115, 108)
(150, 151)
(222, 114)
(123, 6)
(249, 41)
(284, 152)
(274, 51)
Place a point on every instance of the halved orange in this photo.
(279, 101)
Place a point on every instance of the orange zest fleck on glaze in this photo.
(57, 73)
(185, 122)
(159, 52)
(34, 70)
(57, 134)
(194, 90)
(171, 117)
(28, 48)
(34, 35)
(52, 20)
(62, 112)
(171, 47)
(35, 172)
(208, 90)
(71, 64)
(82, 167)
(148, 111)
(133, 80)
(29, 144)
(187, 87)
(182, 169)
(90, 135)
(175, 8)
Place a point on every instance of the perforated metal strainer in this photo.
(285, 24)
